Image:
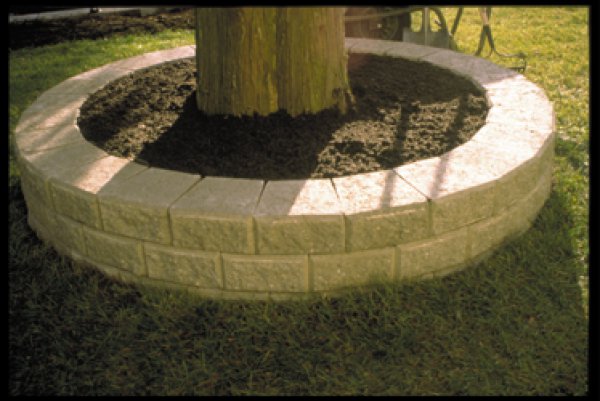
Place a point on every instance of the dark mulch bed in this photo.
(43, 32)
(405, 111)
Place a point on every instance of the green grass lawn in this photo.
(514, 324)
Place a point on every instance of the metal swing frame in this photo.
(371, 22)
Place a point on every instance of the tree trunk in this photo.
(261, 60)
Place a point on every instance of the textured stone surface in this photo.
(538, 197)
(74, 192)
(299, 216)
(137, 207)
(34, 186)
(54, 162)
(490, 233)
(382, 47)
(523, 151)
(375, 191)
(512, 221)
(49, 138)
(460, 185)
(266, 273)
(74, 90)
(387, 228)
(37, 168)
(195, 268)
(153, 58)
(478, 69)
(381, 209)
(515, 185)
(110, 271)
(516, 139)
(532, 111)
(69, 233)
(216, 215)
(102, 75)
(48, 112)
(411, 51)
(452, 211)
(48, 234)
(513, 89)
(351, 269)
(114, 250)
(44, 216)
(429, 255)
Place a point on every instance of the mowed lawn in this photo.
(514, 324)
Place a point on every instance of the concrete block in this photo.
(300, 234)
(381, 209)
(266, 273)
(488, 234)
(454, 211)
(525, 153)
(69, 233)
(54, 162)
(351, 269)
(74, 192)
(138, 206)
(154, 58)
(512, 221)
(43, 215)
(410, 51)
(439, 253)
(372, 192)
(516, 185)
(38, 168)
(512, 89)
(30, 141)
(387, 228)
(49, 111)
(195, 268)
(515, 82)
(299, 216)
(34, 187)
(360, 45)
(388, 48)
(514, 138)
(460, 185)
(534, 202)
(39, 229)
(476, 69)
(532, 111)
(547, 153)
(73, 91)
(115, 251)
(110, 271)
(216, 215)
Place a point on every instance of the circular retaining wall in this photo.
(242, 238)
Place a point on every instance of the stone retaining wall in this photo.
(242, 238)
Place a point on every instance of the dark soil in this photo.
(405, 111)
(43, 32)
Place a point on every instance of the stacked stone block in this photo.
(253, 239)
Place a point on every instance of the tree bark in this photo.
(261, 60)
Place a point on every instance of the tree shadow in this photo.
(261, 147)
(391, 95)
